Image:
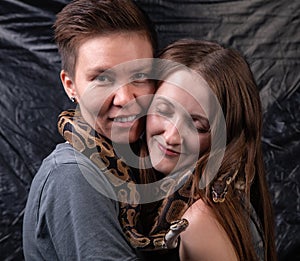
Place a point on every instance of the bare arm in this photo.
(204, 239)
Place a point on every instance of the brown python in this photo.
(167, 224)
(100, 151)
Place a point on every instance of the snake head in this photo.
(219, 190)
(171, 237)
(179, 225)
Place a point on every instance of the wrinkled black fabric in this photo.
(268, 34)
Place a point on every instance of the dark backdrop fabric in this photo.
(267, 32)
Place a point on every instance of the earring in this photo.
(73, 99)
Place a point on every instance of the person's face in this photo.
(178, 130)
(107, 82)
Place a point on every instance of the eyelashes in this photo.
(168, 110)
(136, 79)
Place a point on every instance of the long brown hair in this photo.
(230, 78)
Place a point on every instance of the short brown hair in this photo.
(81, 19)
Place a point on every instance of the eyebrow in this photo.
(107, 69)
(165, 100)
(98, 69)
(197, 116)
(145, 68)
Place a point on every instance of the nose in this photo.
(123, 95)
(172, 135)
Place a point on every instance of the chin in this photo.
(124, 139)
(163, 169)
(126, 136)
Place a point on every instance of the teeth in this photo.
(125, 119)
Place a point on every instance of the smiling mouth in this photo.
(125, 119)
(167, 151)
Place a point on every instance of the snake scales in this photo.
(101, 152)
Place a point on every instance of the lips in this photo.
(125, 119)
(168, 151)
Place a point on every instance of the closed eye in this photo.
(162, 107)
(201, 124)
(164, 112)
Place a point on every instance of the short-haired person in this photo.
(65, 217)
(231, 215)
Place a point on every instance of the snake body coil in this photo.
(163, 233)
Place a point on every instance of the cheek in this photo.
(94, 105)
(147, 88)
(154, 126)
(96, 100)
(144, 97)
(197, 144)
(204, 140)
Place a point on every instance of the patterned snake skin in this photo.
(100, 151)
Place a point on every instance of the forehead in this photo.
(113, 49)
(188, 89)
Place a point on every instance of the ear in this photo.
(68, 84)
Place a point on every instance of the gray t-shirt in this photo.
(68, 219)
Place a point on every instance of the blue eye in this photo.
(140, 78)
(140, 75)
(104, 79)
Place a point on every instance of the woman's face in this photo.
(111, 85)
(178, 130)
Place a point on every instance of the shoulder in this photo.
(67, 176)
(67, 167)
(64, 155)
(68, 215)
(68, 182)
(205, 238)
